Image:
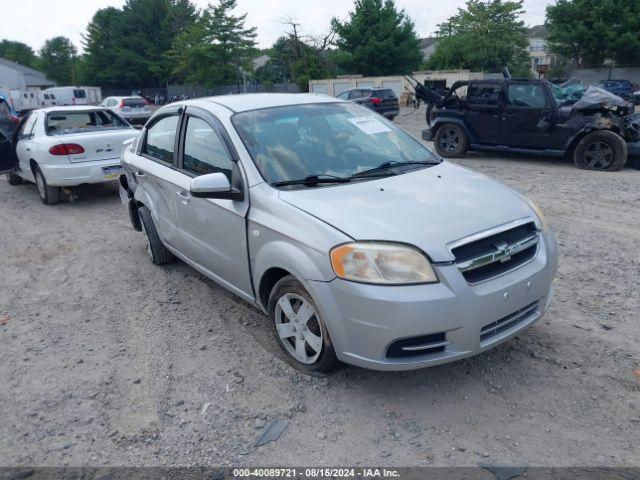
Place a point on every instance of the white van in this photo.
(25, 100)
(75, 95)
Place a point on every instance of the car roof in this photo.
(254, 101)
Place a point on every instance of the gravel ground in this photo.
(106, 359)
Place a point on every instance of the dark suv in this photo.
(600, 131)
(381, 100)
(8, 123)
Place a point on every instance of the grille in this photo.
(509, 321)
(496, 254)
(413, 347)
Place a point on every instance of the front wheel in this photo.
(299, 328)
(451, 141)
(49, 195)
(602, 150)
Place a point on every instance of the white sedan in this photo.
(68, 146)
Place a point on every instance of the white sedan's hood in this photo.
(428, 208)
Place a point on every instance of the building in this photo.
(541, 59)
(14, 76)
(427, 47)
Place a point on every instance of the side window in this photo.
(343, 95)
(27, 127)
(484, 94)
(526, 95)
(161, 139)
(4, 109)
(204, 150)
(355, 94)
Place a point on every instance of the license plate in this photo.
(111, 173)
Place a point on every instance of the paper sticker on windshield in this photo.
(369, 125)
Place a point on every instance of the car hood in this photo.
(427, 208)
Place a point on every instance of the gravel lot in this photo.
(106, 359)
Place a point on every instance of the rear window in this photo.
(385, 93)
(59, 123)
(134, 102)
(79, 93)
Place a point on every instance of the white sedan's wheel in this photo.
(49, 195)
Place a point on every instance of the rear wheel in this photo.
(13, 179)
(49, 195)
(451, 141)
(601, 150)
(155, 248)
(299, 328)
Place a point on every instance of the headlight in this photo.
(382, 263)
(543, 220)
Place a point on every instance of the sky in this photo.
(34, 21)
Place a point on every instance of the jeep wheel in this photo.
(601, 150)
(299, 328)
(451, 141)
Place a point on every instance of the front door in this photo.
(526, 105)
(211, 232)
(482, 114)
(8, 159)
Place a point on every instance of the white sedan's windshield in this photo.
(330, 139)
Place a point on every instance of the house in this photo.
(14, 76)
(541, 59)
(427, 47)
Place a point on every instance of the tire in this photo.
(155, 248)
(391, 117)
(602, 150)
(13, 179)
(451, 141)
(301, 353)
(49, 195)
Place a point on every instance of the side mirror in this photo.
(214, 185)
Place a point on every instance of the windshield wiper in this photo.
(386, 166)
(313, 180)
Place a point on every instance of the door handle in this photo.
(184, 196)
(140, 174)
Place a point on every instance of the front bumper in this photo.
(73, 174)
(634, 149)
(365, 320)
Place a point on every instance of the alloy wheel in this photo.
(598, 155)
(41, 188)
(298, 328)
(449, 140)
(146, 239)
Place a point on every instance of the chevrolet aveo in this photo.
(359, 243)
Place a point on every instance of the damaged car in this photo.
(600, 131)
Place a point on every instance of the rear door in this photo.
(526, 105)
(482, 114)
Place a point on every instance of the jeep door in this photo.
(526, 105)
(211, 232)
(482, 114)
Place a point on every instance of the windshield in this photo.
(59, 123)
(328, 139)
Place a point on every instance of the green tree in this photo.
(592, 31)
(377, 39)
(128, 47)
(485, 35)
(58, 59)
(18, 52)
(216, 49)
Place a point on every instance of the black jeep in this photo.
(600, 131)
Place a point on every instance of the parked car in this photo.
(381, 100)
(133, 109)
(8, 124)
(622, 88)
(359, 243)
(599, 131)
(67, 146)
